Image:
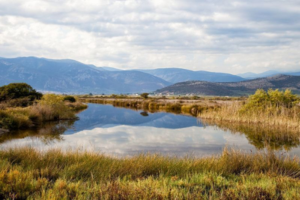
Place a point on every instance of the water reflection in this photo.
(263, 136)
(47, 133)
(121, 132)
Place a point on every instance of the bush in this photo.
(262, 100)
(70, 99)
(18, 90)
(145, 95)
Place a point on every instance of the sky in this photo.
(221, 36)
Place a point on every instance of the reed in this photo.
(272, 108)
(157, 105)
(27, 173)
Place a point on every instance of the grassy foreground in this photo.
(28, 174)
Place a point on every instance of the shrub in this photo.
(145, 95)
(70, 99)
(18, 90)
(271, 99)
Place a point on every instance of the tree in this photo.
(145, 95)
(18, 90)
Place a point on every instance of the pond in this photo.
(125, 132)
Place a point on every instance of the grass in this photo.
(280, 117)
(50, 108)
(277, 109)
(158, 105)
(27, 173)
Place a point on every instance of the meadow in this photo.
(28, 174)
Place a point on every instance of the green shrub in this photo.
(70, 99)
(267, 100)
(145, 95)
(18, 90)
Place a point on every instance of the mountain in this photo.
(234, 88)
(250, 75)
(69, 76)
(110, 69)
(175, 75)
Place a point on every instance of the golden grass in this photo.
(27, 173)
(276, 117)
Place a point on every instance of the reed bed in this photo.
(271, 109)
(28, 174)
(288, 118)
(158, 105)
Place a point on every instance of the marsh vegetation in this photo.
(27, 173)
(22, 107)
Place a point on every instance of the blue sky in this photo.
(226, 36)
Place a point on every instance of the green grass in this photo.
(27, 173)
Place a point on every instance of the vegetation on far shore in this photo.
(27, 173)
(22, 107)
(269, 108)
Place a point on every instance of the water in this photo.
(124, 132)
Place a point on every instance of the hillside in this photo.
(69, 76)
(250, 75)
(234, 88)
(175, 75)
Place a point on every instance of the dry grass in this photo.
(159, 105)
(50, 108)
(276, 117)
(26, 173)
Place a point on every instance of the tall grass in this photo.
(27, 173)
(272, 108)
(50, 108)
(157, 105)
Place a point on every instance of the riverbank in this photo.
(184, 105)
(50, 108)
(27, 173)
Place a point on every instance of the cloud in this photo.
(227, 36)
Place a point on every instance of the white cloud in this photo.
(228, 36)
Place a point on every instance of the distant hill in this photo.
(69, 76)
(234, 88)
(175, 75)
(250, 75)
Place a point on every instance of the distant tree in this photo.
(90, 94)
(70, 98)
(145, 95)
(18, 90)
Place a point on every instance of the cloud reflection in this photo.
(128, 140)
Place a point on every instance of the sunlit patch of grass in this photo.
(27, 173)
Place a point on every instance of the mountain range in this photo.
(70, 76)
(175, 75)
(234, 88)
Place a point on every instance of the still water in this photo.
(124, 132)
